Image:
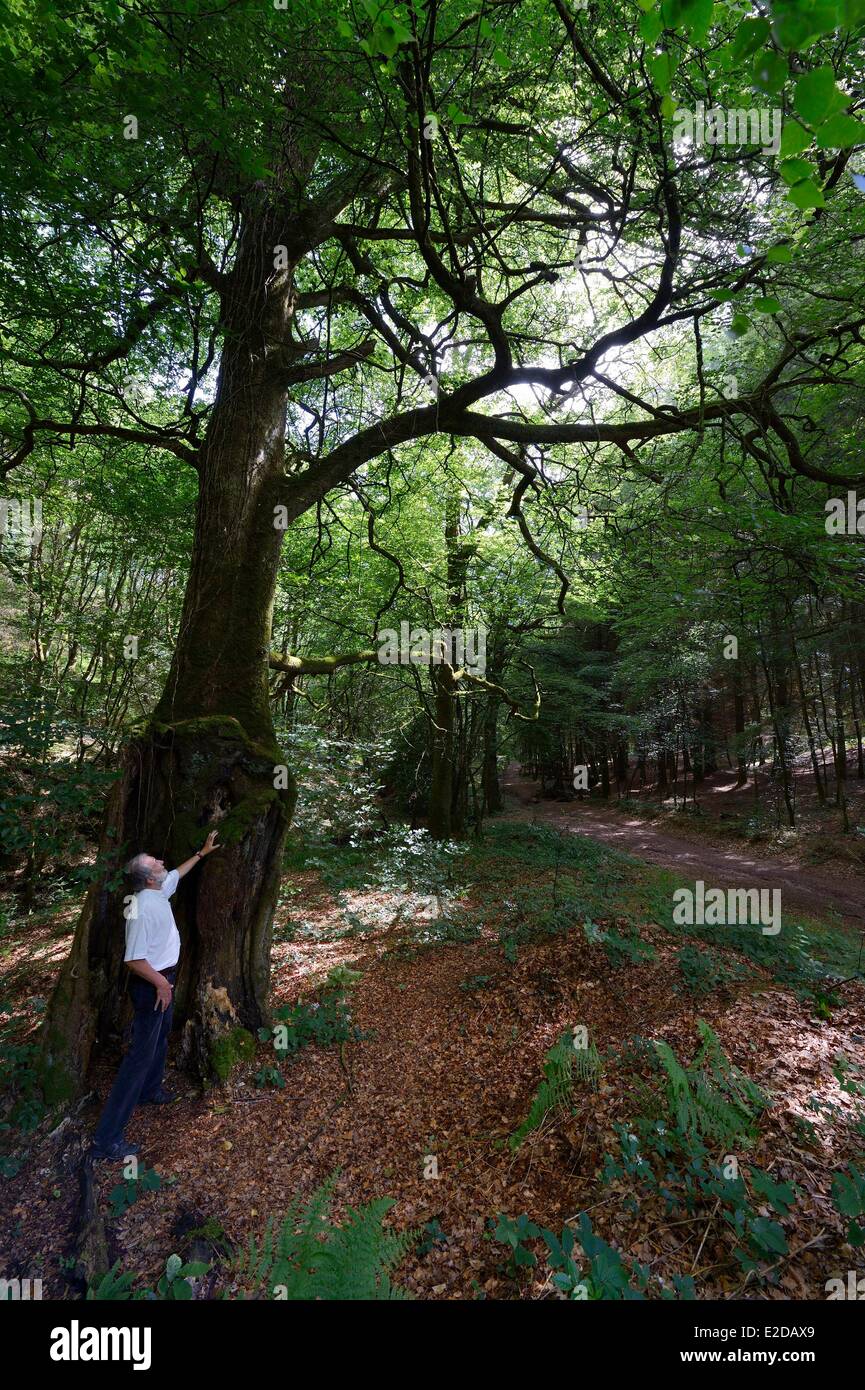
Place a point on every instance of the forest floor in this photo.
(475, 960)
(709, 846)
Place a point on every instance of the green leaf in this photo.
(806, 195)
(779, 1195)
(662, 67)
(769, 72)
(722, 296)
(697, 14)
(651, 25)
(794, 170)
(750, 35)
(457, 116)
(848, 1194)
(769, 305)
(796, 26)
(794, 139)
(779, 255)
(646, 4)
(769, 1235)
(840, 132)
(740, 325)
(816, 95)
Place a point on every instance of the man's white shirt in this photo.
(151, 931)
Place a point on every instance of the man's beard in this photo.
(159, 877)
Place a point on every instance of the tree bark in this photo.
(208, 758)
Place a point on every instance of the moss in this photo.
(227, 1051)
(242, 817)
(57, 1083)
(220, 726)
(57, 1080)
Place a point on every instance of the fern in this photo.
(681, 1098)
(113, 1286)
(555, 1089)
(588, 1065)
(712, 1097)
(310, 1258)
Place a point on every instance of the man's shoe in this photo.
(160, 1097)
(117, 1151)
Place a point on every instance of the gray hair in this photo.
(138, 872)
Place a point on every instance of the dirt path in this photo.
(808, 888)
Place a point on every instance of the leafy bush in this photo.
(323, 1021)
(173, 1286)
(608, 1275)
(339, 782)
(666, 1154)
(19, 1083)
(49, 799)
(619, 950)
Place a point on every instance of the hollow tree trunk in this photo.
(208, 757)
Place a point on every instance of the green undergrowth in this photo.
(526, 883)
(806, 955)
(572, 1060)
(305, 1256)
(688, 1144)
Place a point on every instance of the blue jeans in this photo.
(140, 1074)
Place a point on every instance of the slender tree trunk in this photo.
(739, 722)
(440, 814)
(809, 732)
(840, 746)
(492, 792)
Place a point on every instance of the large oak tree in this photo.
(279, 242)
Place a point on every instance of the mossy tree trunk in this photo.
(209, 758)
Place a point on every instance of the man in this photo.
(152, 949)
